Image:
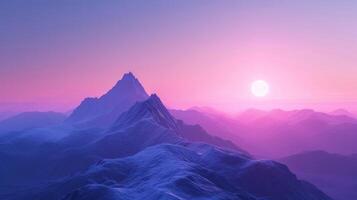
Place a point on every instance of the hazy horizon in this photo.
(260, 104)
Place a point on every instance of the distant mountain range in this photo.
(6, 114)
(278, 133)
(30, 120)
(343, 112)
(217, 124)
(126, 145)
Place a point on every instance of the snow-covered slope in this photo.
(151, 109)
(187, 171)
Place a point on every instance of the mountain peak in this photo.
(151, 109)
(126, 92)
(128, 83)
(128, 75)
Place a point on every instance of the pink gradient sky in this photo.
(203, 53)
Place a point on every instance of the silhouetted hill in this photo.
(30, 120)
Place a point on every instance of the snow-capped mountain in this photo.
(145, 153)
(104, 110)
(145, 124)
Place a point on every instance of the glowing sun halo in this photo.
(260, 88)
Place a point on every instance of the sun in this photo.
(260, 88)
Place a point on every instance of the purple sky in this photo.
(189, 52)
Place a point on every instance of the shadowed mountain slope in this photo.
(335, 174)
